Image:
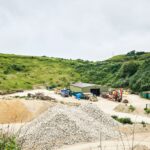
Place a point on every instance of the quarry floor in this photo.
(105, 105)
(125, 144)
(16, 112)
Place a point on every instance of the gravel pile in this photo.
(64, 125)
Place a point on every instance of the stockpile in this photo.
(39, 96)
(21, 111)
(65, 125)
(12, 111)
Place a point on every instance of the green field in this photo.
(26, 72)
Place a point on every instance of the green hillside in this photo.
(26, 72)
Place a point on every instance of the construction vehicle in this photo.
(115, 95)
(65, 93)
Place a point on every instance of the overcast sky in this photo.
(87, 29)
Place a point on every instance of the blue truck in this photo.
(65, 92)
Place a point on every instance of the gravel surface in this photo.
(108, 107)
(65, 125)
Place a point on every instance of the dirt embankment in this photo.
(17, 111)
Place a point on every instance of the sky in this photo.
(85, 29)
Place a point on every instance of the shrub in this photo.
(15, 67)
(122, 120)
(131, 108)
(140, 53)
(8, 142)
(134, 53)
(125, 120)
(128, 69)
(131, 53)
(114, 117)
(147, 110)
(143, 123)
(140, 81)
(121, 83)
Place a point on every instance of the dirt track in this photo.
(125, 144)
(108, 107)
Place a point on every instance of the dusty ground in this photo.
(109, 106)
(17, 111)
(124, 143)
(105, 105)
(45, 92)
(142, 135)
(28, 110)
(125, 109)
(136, 100)
(137, 128)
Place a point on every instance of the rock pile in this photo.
(39, 96)
(65, 125)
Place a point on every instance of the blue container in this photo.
(148, 95)
(145, 95)
(78, 96)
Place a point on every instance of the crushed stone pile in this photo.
(65, 125)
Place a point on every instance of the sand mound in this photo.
(17, 111)
(62, 125)
(126, 109)
(13, 111)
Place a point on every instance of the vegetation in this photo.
(132, 108)
(25, 72)
(143, 123)
(147, 110)
(8, 142)
(122, 120)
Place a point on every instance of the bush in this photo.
(15, 67)
(8, 143)
(132, 108)
(125, 120)
(128, 69)
(131, 53)
(122, 120)
(140, 53)
(134, 53)
(147, 110)
(143, 123)
(114, 117)
(140, 81)
(121, 83)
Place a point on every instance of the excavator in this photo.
(115, 95)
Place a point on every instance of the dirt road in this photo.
(125, 144)
(108, 107)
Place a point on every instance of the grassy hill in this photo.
(25, 72)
